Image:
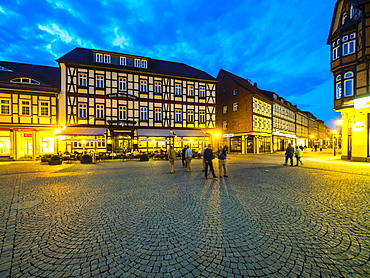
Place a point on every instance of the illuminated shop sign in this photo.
(362, 103)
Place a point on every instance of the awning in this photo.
(190, 133)
(80, 140)
(154, 133)
(83, 131)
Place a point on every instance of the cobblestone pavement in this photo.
(135, 219)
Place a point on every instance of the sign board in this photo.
(362, 103)
(229, 135)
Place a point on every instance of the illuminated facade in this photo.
(124, 102)
(28, 110)
(349, 39)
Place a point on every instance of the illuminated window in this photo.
(158, 114)
(99, 111)
(4, 106)
(122, 84)
(107, 58)
(178, 115)
(235, 106)
(25, 107)
(101, 141)
(224, 109)
(144, 64)
(348, 84)
(100, 81)
(143, 114)
(202, 92)
(99, 57)
(202, 116)
(25, 80)
(82, 80)
(143, 86)
(338, 87)
(44, 108)
(82, 110)
(224, 124)
(178, 89)
(122, 113)
(157, 87)
(122, 61)
(191, 90)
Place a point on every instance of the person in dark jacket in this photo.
(289, 152)
(222, 161)
(183, 157)
(208, 156)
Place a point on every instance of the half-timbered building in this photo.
(349, 39)
(28, 110)
(124, 102)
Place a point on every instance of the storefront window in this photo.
(4, 145)
(47, 145)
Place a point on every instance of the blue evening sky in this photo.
(281, 45)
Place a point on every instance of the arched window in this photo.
(235, 92)
(348, 84)
(25, 80)
(338, 86)
(344, 18)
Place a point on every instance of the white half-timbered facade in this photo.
(135, 99)
(28, 110)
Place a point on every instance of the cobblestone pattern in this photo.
(134, 219)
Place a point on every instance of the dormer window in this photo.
(122, 61)
(5, 69)
(344, 18)
(99, 57)
(25, 80)
(137, 63)
(352, 12)
(144, 64)
(106, 59)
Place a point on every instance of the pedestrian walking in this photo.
(222, 161)
(203, 162)
(289, 152)
(171, 158)
(188, 158)
(298, 155)
(183, 156)
(208, 156)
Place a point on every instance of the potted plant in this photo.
(144, 157)
(55, 160)
(86, 159)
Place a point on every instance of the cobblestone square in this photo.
(135, 219)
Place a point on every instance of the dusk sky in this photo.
(281, 45)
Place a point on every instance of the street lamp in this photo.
(335, 141)
(312, 138)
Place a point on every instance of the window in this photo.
(25, 107)
(99, 58)
(137, 63)
(158, 114)
(122, 84)
(4, 106)
(82, 110)
(235, 106)
(143, 114)
(178, 115)
(224, 109)
(191, 90)
(157, 87)
(101, 141)
(82, 80)
(224, 125)
(44, 108)
(107, 58)
(202, 92)
(352, 36)
(178, 89)
(122, 61)
(144, 64)
(191, 116)
(349, 47)
(344, 18)
(5, 69)
(122, 112)
(202, 117)
(336, 53)
(143, 86)
(338, 87)
(99, 111)
(100, 81)
(235, 92)
(348, 84)
(345, 38)
(25, 80)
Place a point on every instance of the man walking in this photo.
(222, 161)
(289, 152)
(188, 158)
(183, 156)
(298, 155)
(171, 158)
(208, 156)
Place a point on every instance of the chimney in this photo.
(255, 84)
